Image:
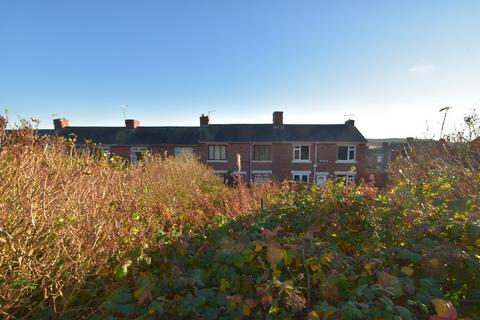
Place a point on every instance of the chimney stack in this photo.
(350, 122)
(60, 123)
(204, 120)
(278, 118)
(132, 123)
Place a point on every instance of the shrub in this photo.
(65, 219)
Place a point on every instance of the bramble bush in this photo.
(67, 216)
(148, 242)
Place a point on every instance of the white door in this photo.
(321, 179)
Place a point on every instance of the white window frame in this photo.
(266, 176)
(301, 174)
(214, 158)
(134, 151)
(178, 151)
(349, 159)
(350, 176)
(105, 149)
(298, 147)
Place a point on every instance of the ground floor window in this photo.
(261, 176)
(301, 176)
(136, 153)
(345, 177)
(183, 151)
(102, 149)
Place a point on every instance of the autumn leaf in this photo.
(266, 301)
(407, 270)
(246, 311)
(252, 303)
(444, 309)
(272, 233)
(274, 253)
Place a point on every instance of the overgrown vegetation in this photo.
(88, 237)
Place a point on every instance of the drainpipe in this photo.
(315, 165)
(250, 164)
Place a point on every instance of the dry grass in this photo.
(64, 218)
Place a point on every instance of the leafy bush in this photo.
(65, 219)
(91, 237)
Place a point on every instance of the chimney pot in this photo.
(60, 123)
(132, 123)
(350, 122)
(278, 118)
(204, 120)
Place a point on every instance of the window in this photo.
(379, 159)
(136, 153)
(182, 151)
(346, 153)
(346, 178)
(301, 176)
(261, 153)
(103, 150)
(217, 152)
(260, 176)
(301, 153)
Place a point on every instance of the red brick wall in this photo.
(281, 155)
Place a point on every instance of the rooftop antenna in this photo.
(347, 115)
(124, 107)
(444, 109)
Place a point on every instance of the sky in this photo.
(390, 65)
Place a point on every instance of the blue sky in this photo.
(393, 64)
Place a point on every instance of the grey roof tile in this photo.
(213, 133)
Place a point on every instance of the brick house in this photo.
(278, 151)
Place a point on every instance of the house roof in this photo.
(213, 133)
(287, 132)
(125, 136)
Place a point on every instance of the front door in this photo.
(321, 178)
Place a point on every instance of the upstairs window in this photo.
(301, 153)
(136, 153)
(346, 153)
(261, 153)
(217, 152)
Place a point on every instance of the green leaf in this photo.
(409, 255)
(121, 270)
(211, 313)
(239, 261)
(404, 313)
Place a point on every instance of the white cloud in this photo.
(423, 68)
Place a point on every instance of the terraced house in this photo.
(305, 152)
